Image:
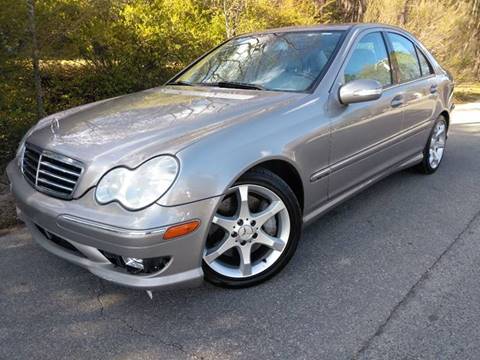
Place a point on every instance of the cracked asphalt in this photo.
(391, 274)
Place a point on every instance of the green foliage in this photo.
(17, 107)
(95, 49)
(446, 28)
(17, 110)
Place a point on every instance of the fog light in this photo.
(133, 262)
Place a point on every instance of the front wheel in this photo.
(254, 232)
(435, 147)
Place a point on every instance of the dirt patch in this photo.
(8, 215)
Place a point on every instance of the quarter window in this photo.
(369, 60)
(424, 64)
(403, 51)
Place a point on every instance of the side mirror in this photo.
(359, 91)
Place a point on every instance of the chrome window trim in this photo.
(339, 77)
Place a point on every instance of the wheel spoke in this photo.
(270, 241)
(440, 131)
(273, 209)
(245, 259)
(437, 144)
(244, 211)
(439, 153)
(226, 223)
(227, 244)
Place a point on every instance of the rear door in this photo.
(416, 82)
(362, 134)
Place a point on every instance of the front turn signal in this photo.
(181, 229)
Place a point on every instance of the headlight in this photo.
(140, 187)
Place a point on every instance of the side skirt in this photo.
(329, 205)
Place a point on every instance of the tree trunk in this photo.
(403, 16)
(475, 40)
(476, 67)
(353, 10)
(232, 11)
(360, 10)
(35, 60)
(228, 29)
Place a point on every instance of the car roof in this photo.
(323, 27)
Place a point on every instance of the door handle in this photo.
(397, 101)
(433, 88)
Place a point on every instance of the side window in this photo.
(424, 64)
(369, 60)
(404, 53)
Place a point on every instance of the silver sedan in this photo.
(213, 175)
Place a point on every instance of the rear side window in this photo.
(403, 51)
(369, 60)
(425, 66)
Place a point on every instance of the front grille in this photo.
(51, 173)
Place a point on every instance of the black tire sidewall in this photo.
(271, 181)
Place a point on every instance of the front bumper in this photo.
(94, 230)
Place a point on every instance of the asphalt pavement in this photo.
(390, 274)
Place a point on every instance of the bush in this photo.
(96, 49)
(17, 108)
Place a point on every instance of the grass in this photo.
(466, 93)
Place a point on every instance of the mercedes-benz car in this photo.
(213, 175)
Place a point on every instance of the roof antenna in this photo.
(150, 294)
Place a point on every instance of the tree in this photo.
(353, 10)
(35, 59)
(232, 11)
(78, 51)
(474, 40)
(403, 15)
(449, 29)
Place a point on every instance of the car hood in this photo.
(130, 129)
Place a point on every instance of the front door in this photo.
(363, 134)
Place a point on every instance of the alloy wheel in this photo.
(437, 144)
(249, 232)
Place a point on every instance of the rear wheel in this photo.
(254, 232)
(435, 147)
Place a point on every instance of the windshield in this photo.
(290, 61)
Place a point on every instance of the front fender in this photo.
(209, 168)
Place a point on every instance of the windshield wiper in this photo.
(235, 85)
(180, 82)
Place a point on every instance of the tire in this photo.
(432, 159)
(273, 217)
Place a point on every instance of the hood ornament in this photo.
(54, 126)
